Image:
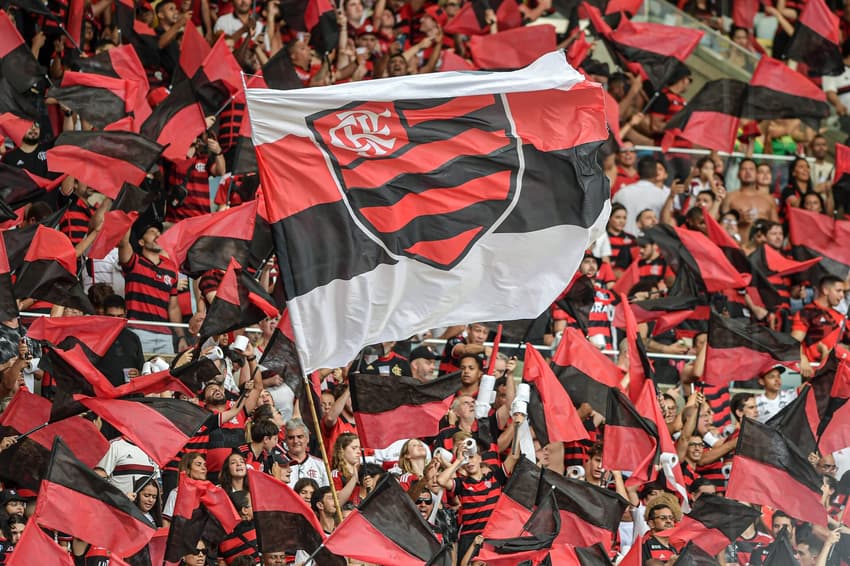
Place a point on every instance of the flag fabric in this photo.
(75, 500)
(279, 74)
(99, 100)
(799, 422)
(281, 357)
(406, 225)
(119, 62)
(713, 524)
(578, 300)
(201, 509)
(768, 262)
(239, 302)
(512, 49)
(193, 51)
(14, 127)
(210, 241)
(744, 13)
(76, 15)
(831, 389)
(176, 122)
(516, 502)
(8, 304)
(451, 61)
(842, 161)
(18, 241)
(711, 118)
(739, 350)
(132, 199)
(471, 18)
(578, 50)
(303, 15)
(667, 312)
(49, 272)
(768, 469)
(550, 409)
(284, 521)
(168, 423)
(781, 552)
(387, 410)
(814, 235)
(817, 40)
(138, 34)
(19, 187)
(693, 555)
(385, 528)
(640, 370)
(104, 160)
(531, 543)
(37, 547)
(631, 440)
(218, 78)
(116, 223)
(97, 333)
(777, 91)
(585, 372)
(21, 73)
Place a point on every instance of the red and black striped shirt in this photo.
(478, 499)
(241, 542)
(193, 174)
(623, 246)
(148, 288)
(75, 222)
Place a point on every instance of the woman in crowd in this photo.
(148, 499)
(345, 464)
(233, 476)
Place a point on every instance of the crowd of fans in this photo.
(454, 487)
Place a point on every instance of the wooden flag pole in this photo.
(321, 441)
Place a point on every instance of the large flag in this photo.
(285, 522)
(530, 543)
(98, 99)
(200, 510)
(777, 91)
(389, 409)
(798, 421)
(18, 241)
(472, 20)
(768, 469)
(813, 235)
(640, 370)
(714, 523)
(218, 78)
(75, 500)
(104, 160)
(8, 304)
(22, 77)
(740, 350)
(831, 389)
(19, 187)
(386, 528)
(176, 121)
(631, 440)
(37, 547)
(513, 48)
(240, 301)
(96, 333)
(550, 409)
(711, 118)
(817, 40)
(49, 272)
(420, 193)
(585, 372)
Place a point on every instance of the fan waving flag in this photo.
(218, 78)
(711, 118)
(37, 547)
(240, 301)
(740, 350)
(585, 372)
(99, 100)
(176, 122)
(813, 235)
(389, 409)
(817, 40)
(96, 333)
(75, 500)
(714, 523)
(777, 91)
(418, 194)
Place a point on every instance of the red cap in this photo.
(438, 14)
(157, 95)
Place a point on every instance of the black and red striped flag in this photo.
(530, 543)
(240, 301)
(666, 312)
(799, 421)
(813, 235)
(120, 62)
(711, 118)
(75, 500)
(193, 50)
(104, 160)
(831, 389)
(740, 350)
(640, 370)
(22, 75)
(49, 272)
(19, 240)
(98, 99)
(386, 527)
(284, 521)
(585, 372)
(551, 412)
(138, 34)
(176, 122)
(387, 410)
(415, 192)
(817, 40)
(631, 440)
(8, 304)
(768, 469)
(218, 78)
(96, 333)
(37, 547)
(116, 223)
(512, 49)
(168, 423)
(19, 187)
(200, 510)
(777, 91)
(713, 523)
(471, 18)
(210, 241)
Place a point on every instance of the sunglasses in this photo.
(424, 501)
(200, 552)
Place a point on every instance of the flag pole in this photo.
(312, 556)
(324, 452)
(29, 432)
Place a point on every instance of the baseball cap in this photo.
(11, 495)
(779, 367)
(424, 352)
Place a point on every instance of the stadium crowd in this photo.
(455, 477)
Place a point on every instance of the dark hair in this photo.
(828, 281)
(641, 213)
(744, 160)
(240, 499)
(156, 510)
(820, 199)
(617, 206)
(98, 293)
(14, 519)
(37, 211)
(731, 212)
(243, 560)
(736, 29)
(845, 49)
(703, 160)
(657, 507)
(318, 495)
(762, 227)
(303, 482)
(112, 301)
(793, 182)
(262, 429)
(224, 477)
(164, 3)
(370, 469)
(647, 168)
(698, 483)
(478, 360)
(187, 459)
(738, 401)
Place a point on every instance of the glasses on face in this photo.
(664, 518)
(424, 501)
(200, 552)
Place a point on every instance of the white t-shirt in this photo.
(832, 84)
(638, 197)
(768, 408)
(312, 468)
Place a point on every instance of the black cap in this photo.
(11, 495)
(644, 240)
(424, 352)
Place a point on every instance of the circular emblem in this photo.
(362, 132)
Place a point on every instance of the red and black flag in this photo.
(578, 299)
(640, 370)
(201, 510)
(281, 357)
(18, 241)
(387, 410)
(22, 77)
(19, 187)
(386, 528)
(831, 389)
(817, 40)
(210, 241)
(744, 13)
(799, 421)
(516, 502)
(713, 523)
(240, 301)
(14, 127)
(284, 521)
(631, 440)
(842, 162)
(193, 50)
(768, 469)
(767, 262)
(777, 91)
(693, 555)
(137, 33)
(472, 20)
(739, 350)
(711, 118)
(512, 49)
(279, 74)
(96, 333)
(37, 547)
(195, 373)
(74, 26)
(98, 99)
(176, 122)
(585, 372)
(551, 412)
(423, 191)
(813, 235)
(116, 223)
(75, 500)
(8, 304)
(168, 423)
(781, 552)
(120, 62)
(132, 199)
(49, 272)
(104, 160)
(218, 78)
(666, 312)
(531, 543)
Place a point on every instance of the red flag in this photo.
(578, 49)
(14, 126)
(637, 373)
(714, 523)
(240, 301)
(512, 49)
(219, 77)
(836, 435)
(777, 91)
(494, 353)
(96, 332)
(629, 278)
(560, 420)
(612, 114)
(631, 440)
(465, 22)
(451, 61)
(817, 40)
(630, 7)
(744, 12)
(25, 412)
(667, 312)
(115, 225)
(814, 235)
(842, 160)
(194, 50)
(36, 547)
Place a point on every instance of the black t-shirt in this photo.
(125, 353)
(170, 54)
(35, 162)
